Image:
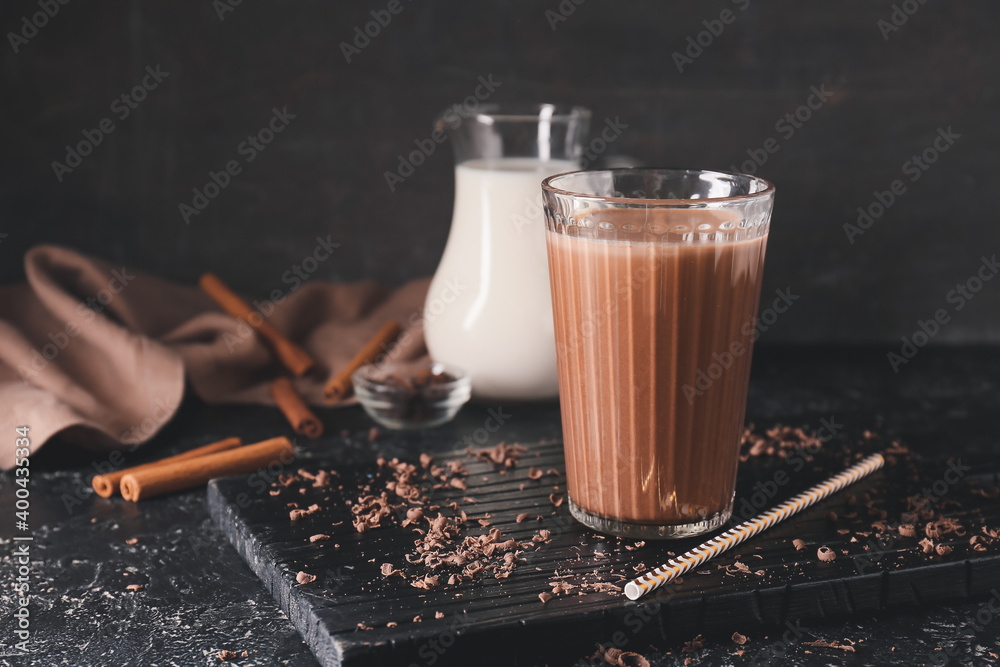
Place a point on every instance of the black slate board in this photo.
(491, 621)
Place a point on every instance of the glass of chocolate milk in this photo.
(655, 278)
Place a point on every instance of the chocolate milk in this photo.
(654, 343)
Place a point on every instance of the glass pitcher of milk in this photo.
(489, 308)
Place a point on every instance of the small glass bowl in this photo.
(404, 396)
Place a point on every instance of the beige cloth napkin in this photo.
(99, 353)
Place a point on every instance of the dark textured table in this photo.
(199, 597)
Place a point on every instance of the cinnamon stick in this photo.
(106, 485)
(298, 414)
(291, 355)
(340, 385)
(189, 473)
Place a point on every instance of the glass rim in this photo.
(531, 112)
(548, 185)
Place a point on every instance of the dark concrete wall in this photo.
(324, 174)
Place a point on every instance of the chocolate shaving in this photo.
(826, 554)
(739, 639)
(693, 645)
(389, 571)
(305, 578)
(819, 643)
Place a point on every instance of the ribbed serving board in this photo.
(494, 621)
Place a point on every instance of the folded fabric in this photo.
(99, 354)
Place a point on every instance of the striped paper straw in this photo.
(674, 568)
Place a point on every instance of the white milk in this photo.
(489, 308)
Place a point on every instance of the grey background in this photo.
(323, 175)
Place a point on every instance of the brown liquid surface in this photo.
(635, 322)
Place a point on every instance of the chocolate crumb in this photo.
(226, 656)
(544, 597)
(135, 588)
(305, 578)
(417, 619)
(638, 545)
(630, 659)
(391, 624)
(373, 434)
(612, 655)
(739, 639)
(362, 626)
(693, 645)
(132, 540)
(943, 549)
(907, 530)
(826, 554)
(319, 537)
(439, 614)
